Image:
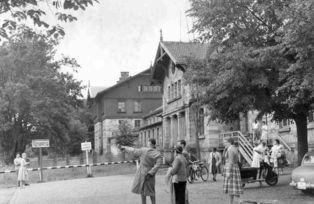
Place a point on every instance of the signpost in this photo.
(40, 143)
(87, 146)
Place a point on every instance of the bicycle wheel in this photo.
(204, 173)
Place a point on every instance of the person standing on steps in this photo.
(214, 161)
(150, 162)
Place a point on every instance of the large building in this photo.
(126, 102)
(182, 117)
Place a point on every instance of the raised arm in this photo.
(136, 151)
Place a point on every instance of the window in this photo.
(179, 88)
(201, 122)
(172, 91)
(121, 107)
(150, 88)
(311, 116)
(137, 107)
(176, 90)
(122, 122)
(137, 123)
(169, 93)
(146, 88)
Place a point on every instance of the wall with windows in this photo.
(129, 100)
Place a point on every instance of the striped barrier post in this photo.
(72, 166)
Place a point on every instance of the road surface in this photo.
(116, 190)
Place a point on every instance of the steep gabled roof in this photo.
(179, 51)
(120, 83)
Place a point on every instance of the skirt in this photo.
(233, 185)
(22, 174)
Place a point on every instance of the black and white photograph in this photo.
(156, 101)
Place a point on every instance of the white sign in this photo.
(86, 146)
(40, 143)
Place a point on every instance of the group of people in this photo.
(177, 175)
(21, 164)
(274, 156)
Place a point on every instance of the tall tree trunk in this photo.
(301, 123)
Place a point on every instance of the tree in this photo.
(125, 135)
(37, 100)
(19, 11)
(263, 61)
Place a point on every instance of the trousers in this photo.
(179, 190)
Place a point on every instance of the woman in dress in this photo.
(258, 154)
(276, 151)
(232, 184)
(22, 172)
(214, 161)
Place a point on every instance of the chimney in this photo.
(123, 77)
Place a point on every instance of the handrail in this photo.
(284, 143)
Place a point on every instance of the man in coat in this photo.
(150, 162)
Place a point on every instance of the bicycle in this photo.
(198, 170)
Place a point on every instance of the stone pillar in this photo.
(166, 132)
(174, 130)
(187, 125)
(181, 126)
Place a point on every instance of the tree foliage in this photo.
(125, 136)
(37, 100)
(19, 11)
(263, 58)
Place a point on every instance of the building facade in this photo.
(182, 116)
(126, 102)
(151, 128)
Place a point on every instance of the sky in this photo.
(122, 35)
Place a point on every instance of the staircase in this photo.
(283, 142)
(245, 147)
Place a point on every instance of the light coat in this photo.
(150, 162)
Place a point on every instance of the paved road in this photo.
(116, 189)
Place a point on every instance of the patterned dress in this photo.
(150, 162)
(233, 184)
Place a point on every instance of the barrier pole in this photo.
(41, 179)
(88, 167)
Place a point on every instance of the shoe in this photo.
(214, 179)
(27, 184)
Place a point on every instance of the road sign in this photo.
(40, 143)
(86, 146)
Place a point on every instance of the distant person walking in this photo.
(17, 164)
(232, 184)
(150, 162)
(22, 172)
(179, 176)
(214, 162)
